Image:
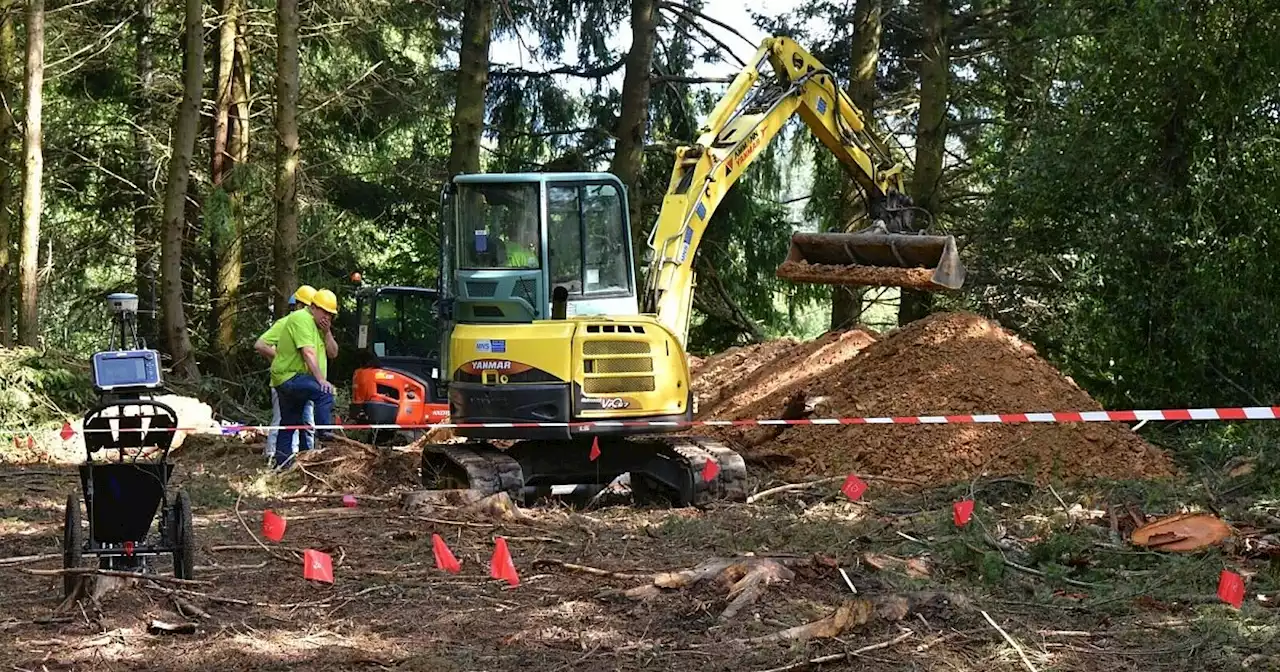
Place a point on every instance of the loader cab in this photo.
(397, 357)
(511, 239)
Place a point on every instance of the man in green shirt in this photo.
(299, 371)
(266, 346)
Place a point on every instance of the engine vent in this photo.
(609, 366)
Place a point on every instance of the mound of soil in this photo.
(715, 376)
(778, 365)
(946, 364)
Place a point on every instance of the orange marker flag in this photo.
(444, 557)
(501, 566)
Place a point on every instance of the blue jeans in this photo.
(308, 418)
(294, 395)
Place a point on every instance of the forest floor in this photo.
(1051, 566)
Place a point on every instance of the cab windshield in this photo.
(498, 226)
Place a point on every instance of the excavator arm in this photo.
(741, 126)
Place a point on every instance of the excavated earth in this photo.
(946, 364)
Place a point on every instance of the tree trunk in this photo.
(8, 161)
(633, 115)
(174, 218)
(144, 234)
(931, 133)
(864, 57)
(231, 267)
(33, 169)
(224, 234)
(287, 154)
(473, 82)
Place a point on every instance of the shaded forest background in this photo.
(1112, 169)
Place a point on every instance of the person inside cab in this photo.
(521, 245)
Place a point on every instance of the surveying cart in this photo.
(125, 476)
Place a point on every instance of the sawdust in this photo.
(950, 363)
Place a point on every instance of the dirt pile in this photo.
(715, 376)
(733, 381)
(951, 363)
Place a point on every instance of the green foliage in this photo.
(1129, 233)
(40, 388)
(1114, 175)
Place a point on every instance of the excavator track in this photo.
(477, 466)
(729, 483)
(667, 468)
(661, 467)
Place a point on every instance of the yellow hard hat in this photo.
(305, 294)
(326, 301)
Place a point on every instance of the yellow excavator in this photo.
(563, 370)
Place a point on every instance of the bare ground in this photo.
(1090, 601)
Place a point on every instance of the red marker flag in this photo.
(317, 566)
(349, 501)
(1231, 588)
(961, 511)
(709, 470)
(272, 525)
(31, 442)
(853, 487)
(444, 557)
(67, 432)
(501, 566)
(595, 449)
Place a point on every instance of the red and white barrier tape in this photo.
(1181, 414)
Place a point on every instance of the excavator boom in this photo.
(892, 251)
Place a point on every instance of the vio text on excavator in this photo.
(550, 341)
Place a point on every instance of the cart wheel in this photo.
(184, 561)
(72, 543)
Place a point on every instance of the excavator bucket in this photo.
(874, 258)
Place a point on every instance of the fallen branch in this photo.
(23, 559)
(824, 481)
(843, 656)
(33, 472)
(371, 498)
(249, 547)
(594, 571)
(747, 579)
(850, 614)
(264, 605)
(348, 514)
(114, 572)
(188, 609)
(1012, 642)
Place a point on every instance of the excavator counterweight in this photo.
(874, 258)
